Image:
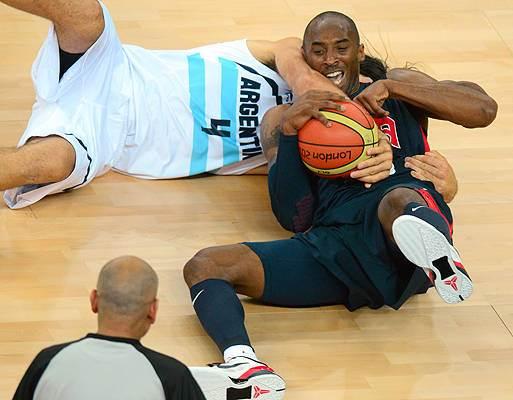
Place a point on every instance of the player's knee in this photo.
(93, 22)
(94, 14)
(392, 206)
(201, 267)
(64, 162)
(46, 160)
(79, 28)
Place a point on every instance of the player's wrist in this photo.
(287, 129)
(392, 86)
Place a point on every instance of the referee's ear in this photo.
(93, 299)
(152, 312)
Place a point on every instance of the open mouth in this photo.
(336, 77)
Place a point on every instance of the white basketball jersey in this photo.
(196, 110)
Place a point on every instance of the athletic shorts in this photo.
(88, 107)
(294, 278)
(353, 248)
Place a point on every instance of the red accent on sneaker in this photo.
(259, 392)
(250, 371)
(458, 265)
(431, 203)
(452, 282)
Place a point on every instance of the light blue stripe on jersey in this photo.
(197, 103)
(229, 85)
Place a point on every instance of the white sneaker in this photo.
(239, 378)
(426, 247)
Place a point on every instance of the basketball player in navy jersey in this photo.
(354, 245)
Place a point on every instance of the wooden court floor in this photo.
(51, 253)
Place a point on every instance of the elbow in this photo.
(490, 112)
(294, 223)
(301, 227)
(485, 116)
(287, 226)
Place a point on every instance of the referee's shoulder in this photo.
(51, 351)
(163, 360)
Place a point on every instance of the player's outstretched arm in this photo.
(286, 57)
(463, 103)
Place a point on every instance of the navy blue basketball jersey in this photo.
(407, 139)
(405, 132)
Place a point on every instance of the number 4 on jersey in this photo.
(216, 128)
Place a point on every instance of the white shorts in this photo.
(156, 114)
(87, 107)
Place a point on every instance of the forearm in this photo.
(290, 188)
(458, 102)
(293, 68)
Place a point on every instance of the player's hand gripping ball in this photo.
(336, 151)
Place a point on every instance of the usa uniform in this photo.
(340, 253)
(150, 114)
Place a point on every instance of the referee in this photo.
(112, 363)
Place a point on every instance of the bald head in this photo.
(329, 18)
(126, 286)
(331, 46)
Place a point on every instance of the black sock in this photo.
(220, 312)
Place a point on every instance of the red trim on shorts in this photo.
(424, 137)
(431, 203)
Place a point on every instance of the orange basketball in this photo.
(334, 152)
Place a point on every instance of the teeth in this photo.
(334, 74)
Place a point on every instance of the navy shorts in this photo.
(347, 244)
(294, 278)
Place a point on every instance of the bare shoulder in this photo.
(265, 50)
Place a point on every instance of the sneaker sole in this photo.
(423, 245)
(218, 386)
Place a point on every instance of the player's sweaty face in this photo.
(333, 49)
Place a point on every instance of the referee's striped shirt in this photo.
(104, 367)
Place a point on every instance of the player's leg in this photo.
(282, 273)
(412, 219)
(214, 276)
(40, 161)
(70, 136)
(393, 205)
(78, 23)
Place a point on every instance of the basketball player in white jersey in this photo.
(150, 114)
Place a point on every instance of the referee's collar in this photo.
(113, 338)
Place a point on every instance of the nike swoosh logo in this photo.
(196, 297)
(412, 210)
